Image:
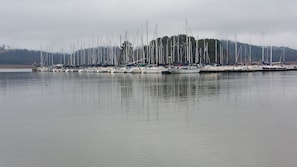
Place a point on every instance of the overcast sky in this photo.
(37, 23)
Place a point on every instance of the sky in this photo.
(40, 24)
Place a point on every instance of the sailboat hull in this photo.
(185, 70)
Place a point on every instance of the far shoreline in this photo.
(13, 66)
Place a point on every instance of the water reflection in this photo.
(170, 86)
(152, 94)
(129, 90)
(181, 87)
(147, 95)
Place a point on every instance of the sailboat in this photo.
(155, 70)
(189, 68)
(272, 67)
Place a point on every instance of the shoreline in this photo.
(14, 66)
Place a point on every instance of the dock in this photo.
(247, 68)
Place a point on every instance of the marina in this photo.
(179, 54)
(138, 83)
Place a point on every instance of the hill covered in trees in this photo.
(18, 56)
(22, 57)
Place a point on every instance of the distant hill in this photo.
(18, 56)
(278, 53)
(29, 57)
(21, 57)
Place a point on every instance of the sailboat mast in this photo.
(126, 47)
(227, 54)
(157, 55)
(52, 55)
(204, 50)
(263, 54)
(41, 58)
(167, 51)
(284, 58)
(221, 54)
(250, 54)
(236, 50)
(271, 55)
(187, 44)
(178, 54)
(142, 46)
(147, 43)
(196, 51)
(216, 52)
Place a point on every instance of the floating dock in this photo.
(247, 68)
(165, 70)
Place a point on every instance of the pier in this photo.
(164, 69)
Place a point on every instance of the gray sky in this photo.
(37, 23)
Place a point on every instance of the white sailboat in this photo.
(155, 70)
(272, 67)
(190, 68)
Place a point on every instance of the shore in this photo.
(7, 66)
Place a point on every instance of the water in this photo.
(75, 120)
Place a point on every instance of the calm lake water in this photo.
(122, 120)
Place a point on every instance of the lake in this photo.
(127, 120)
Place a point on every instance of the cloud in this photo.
(33, 23)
